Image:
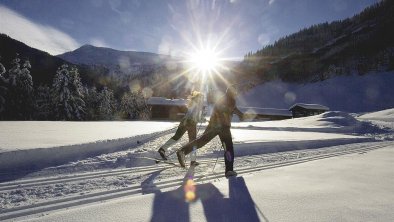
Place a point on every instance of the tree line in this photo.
(65, 99)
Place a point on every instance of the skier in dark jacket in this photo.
(188, 123)
(219, 125)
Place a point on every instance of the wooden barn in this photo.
(302, 109)
(253, 113)
(167, 109)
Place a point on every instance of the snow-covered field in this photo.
(63, 171)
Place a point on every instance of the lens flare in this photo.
(190, 191)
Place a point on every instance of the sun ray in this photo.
(203, 60)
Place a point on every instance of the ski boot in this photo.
(181, 158)
(162, 153)
(194, 163)
(230, 173)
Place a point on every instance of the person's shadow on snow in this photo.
(171, 205)
(239, 206)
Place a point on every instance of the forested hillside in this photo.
(359, 45)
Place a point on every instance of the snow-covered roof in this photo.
(167, 102)
(310, 106)
(266, 111)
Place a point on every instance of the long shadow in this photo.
(239, 206)
(257, 148)
(171, 205)
(348, 130)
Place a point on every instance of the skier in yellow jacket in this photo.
(188, 123)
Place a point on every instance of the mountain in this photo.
(120, 62)
(360, 44)
(149, 70)
(43, 65)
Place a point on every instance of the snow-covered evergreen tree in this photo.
(3, 89)
(77, 93)
(68, 94)
(133, 105)
(19, 100)
(43, 103)
(107, 104)
(91, 98)
(25, 80)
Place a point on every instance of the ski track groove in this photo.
(74, 178)
(172, 183)
(4, 186)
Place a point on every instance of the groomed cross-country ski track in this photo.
(82, 187)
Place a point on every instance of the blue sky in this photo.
(233, 27)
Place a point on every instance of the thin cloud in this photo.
(263, 39)
(45, 38)
(98, 43)
(271, 2)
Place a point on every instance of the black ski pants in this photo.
(186, 125)
(224, 134)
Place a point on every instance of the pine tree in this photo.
(77, 93)
(19, 100)
(3, 89)
(133, 105)
(107, 104)
(67, 94)
(43, 103)
(92, 102)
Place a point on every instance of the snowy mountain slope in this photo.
(92, 55)
(125, 62)
(387, 115)
(351, 93)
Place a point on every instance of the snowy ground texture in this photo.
(330, 167)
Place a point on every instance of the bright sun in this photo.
(205, 61)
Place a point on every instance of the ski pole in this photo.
(217, 156)
(193, 155)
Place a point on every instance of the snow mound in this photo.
(385, 115)
(383, 119)
(339, 119)
(344, 122)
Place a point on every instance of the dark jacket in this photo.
(223, 111)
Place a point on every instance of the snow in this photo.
(330, 167)
(47, 134)
(384, 119)
(266, 111)
(328, 190)
(387, 115)
(34, 144)
(349, 93)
